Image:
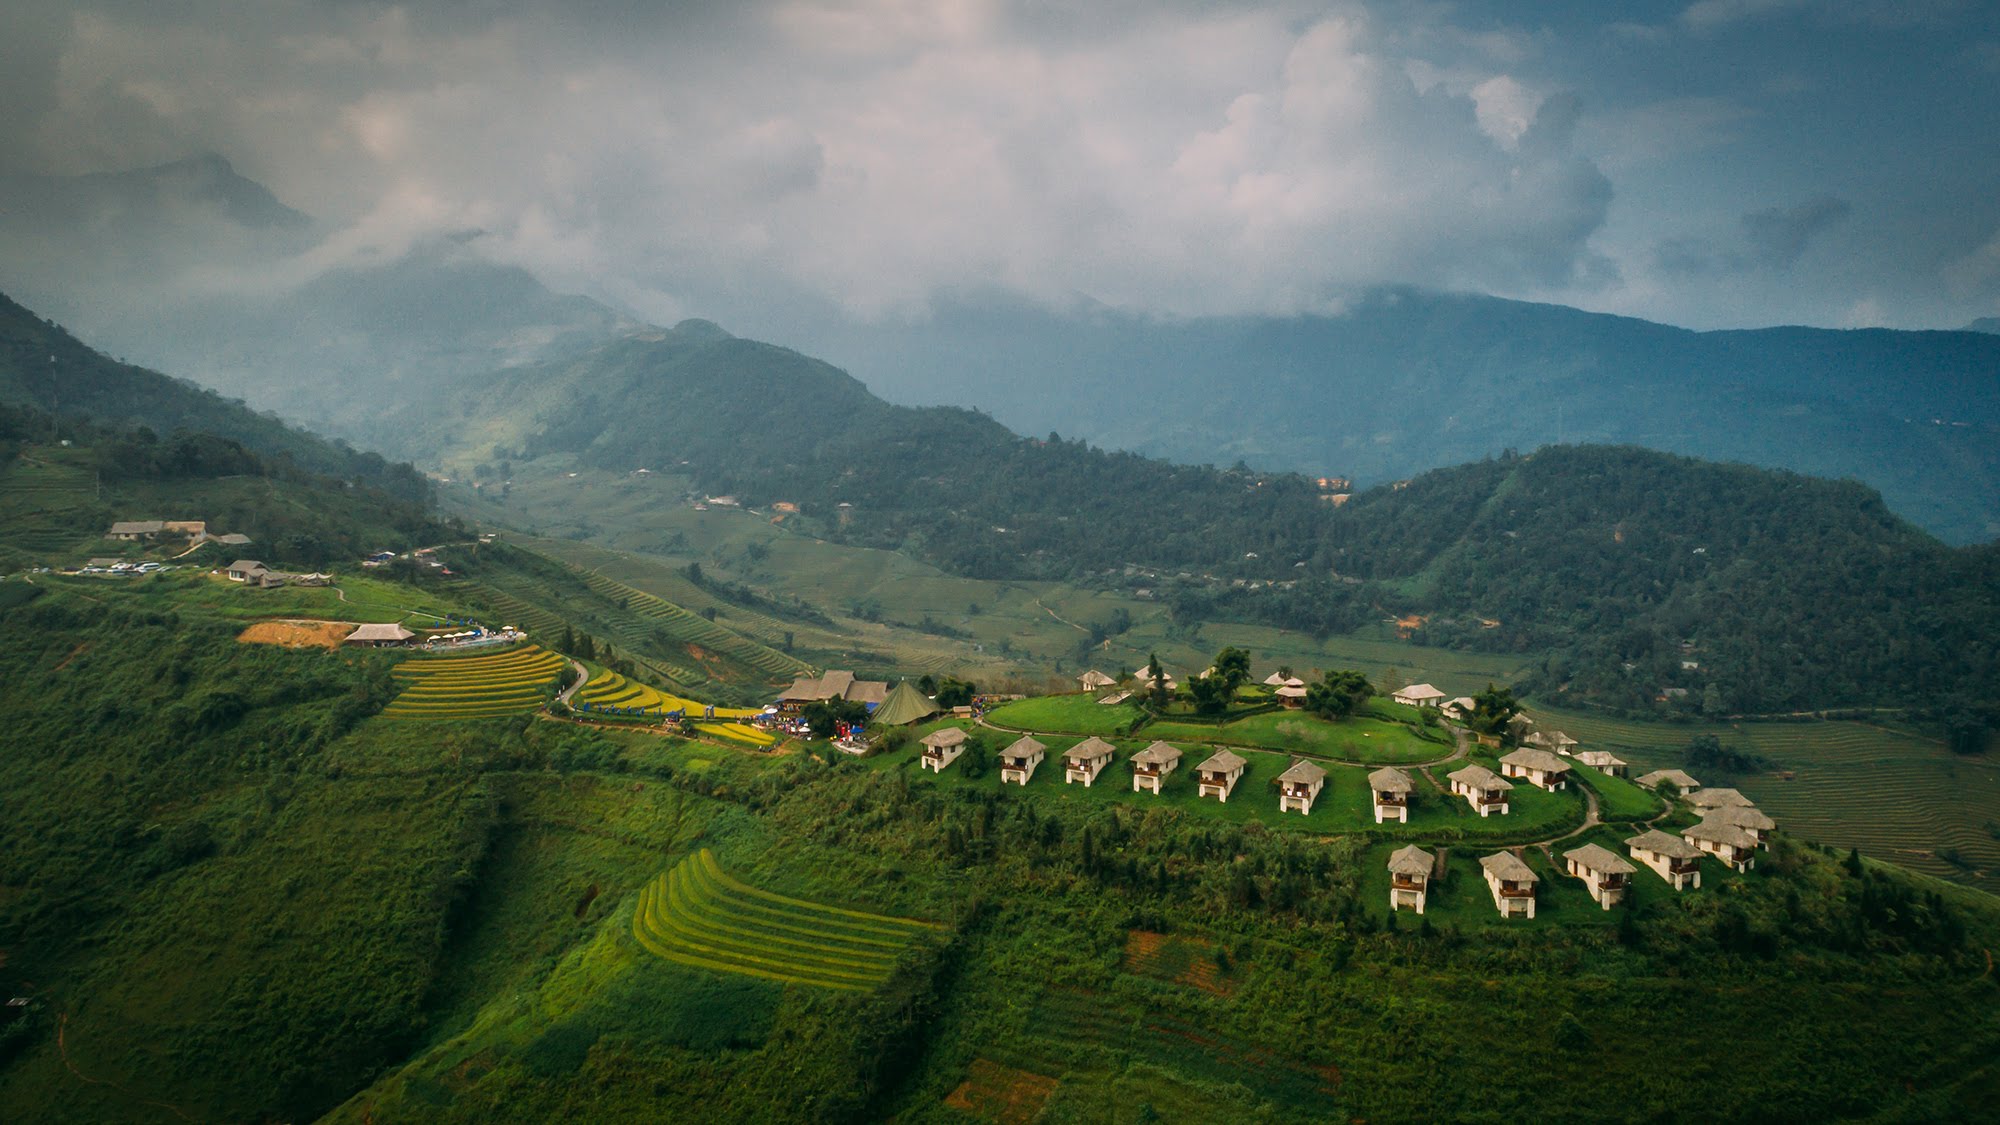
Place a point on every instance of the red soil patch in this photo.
(1183, 960)
(297, 633)
(1407, 625)
(1001, 1093)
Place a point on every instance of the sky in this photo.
(1722, 163)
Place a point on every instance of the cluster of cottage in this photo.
(1298, 787)
(1731, 830)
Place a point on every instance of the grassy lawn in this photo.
(1355, 740)
(1617, 798)
(1079, 713)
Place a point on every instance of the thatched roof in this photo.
(1719, 832)
(1290, 692)
(1676, 778)
(1540, 760)
(1389, 780)
(1158, 754)
(1222, 761)
(1742, 816)
(1089, 750)
(1600, 759)
(1661, 843)
(378, 634)
(1303, 773)
(1479, 777)
(1419, 691)
(1412, 861)
(1510, 867)
(1023, 747)
(1275, 679)
(1716, 798)
(1594, 858)
(944, 738)
(1094, 679)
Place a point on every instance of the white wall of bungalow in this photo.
(1538, 768)
(1606, 874)
(1018, 761)
(1485, 791)
(1084, 761)
(942, 748)
(1151, 766)
(1409, 877)
(1299, 787)
(1670, 857)
(1512, 883)
(1217, 777)
(1734, 846)
(1391, 790)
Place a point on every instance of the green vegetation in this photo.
(697, 915)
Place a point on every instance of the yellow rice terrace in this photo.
(475, 687)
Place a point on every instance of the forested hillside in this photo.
(44, 367)
(1788, 592)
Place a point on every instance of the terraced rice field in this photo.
(509, 682)
(609, 689)
(696, 914)
(1894, 795)
(694, 629)
(39, 483)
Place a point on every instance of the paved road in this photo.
(582, 678)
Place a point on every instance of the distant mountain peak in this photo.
(1987, 324)
(705, 331)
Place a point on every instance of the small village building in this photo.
(378, 635)
(1603, 871)
(1676, 778)
(1409, 877)
(233, 539)
(1391, 788)
(1293, 697)
(1674, 859)
(1094, 679)
(1482, 789)
(1275, 680)
(1084, 761)
(133, 531)
(1734, 846)
(1603, 760)
(1151, 766)
(1018, 761)
(314, 579)
(1217, 776)
(1299, 786)
(1512, 882)
(941, 748)
(1749, 819)
(1702, 800)
(1419, 695)
(192, 529)
(1144, 677)
(1540, 768)
(1295, 682)
(244, 570)
(833, 685)
(1458, 710)
(1519, 724)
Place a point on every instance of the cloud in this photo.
(1181, 159)
(1777, 236)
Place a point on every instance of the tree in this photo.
(954, 692)
(1338, 694)
(1711, 702)
(1211, 694)
(973, 762)
(1232, 666)
(1158, 686)
(1491, 709)
(823, 717)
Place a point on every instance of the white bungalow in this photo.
(1749, 819)
(941, 748)
(1217, 776)
(1674, 859)
(1018, 761)
(1084, 761)
(1734, 846)
(1512, 883)
(1603, 760)
(1606, 873)
(1419, 695)
(1483, 789)
(1676, 778)
(1540, 768)
(244, 570)
(1299, 786)
(1144, 677)
(1293, 697)
(1094, 679)
(1409, 877)
(1151, 766)
(1703, 800)
(1458, 710)
(1391, 788)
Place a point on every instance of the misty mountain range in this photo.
(1401, 381)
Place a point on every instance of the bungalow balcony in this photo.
(1405, 883)
(1610, 882)
(1514, 890)
(1394, 800)
(1490, 798)
(1302, 792)
(934, 755)
(1148, 771)
(1683, 866)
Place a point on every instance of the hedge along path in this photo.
(695, 914)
